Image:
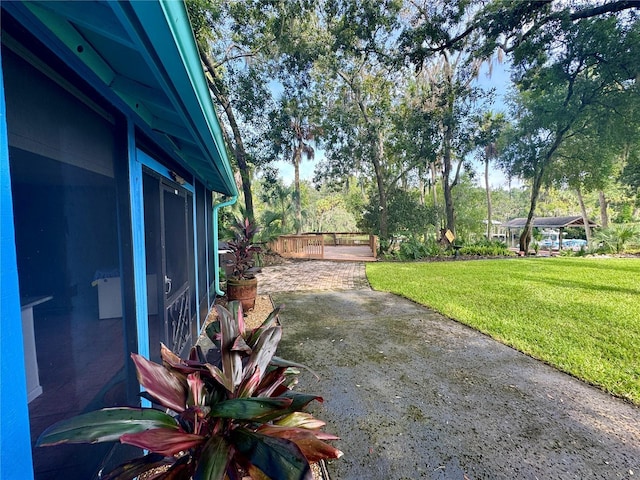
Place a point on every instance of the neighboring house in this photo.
(515, 226)
(110, 152)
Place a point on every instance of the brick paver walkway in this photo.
(312, 275)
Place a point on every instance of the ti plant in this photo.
(225, 414)
(244, 250)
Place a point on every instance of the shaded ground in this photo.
(416, 395)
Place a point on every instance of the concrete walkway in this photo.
(415, 395)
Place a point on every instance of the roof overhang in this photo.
(144, 54)
(550, 222)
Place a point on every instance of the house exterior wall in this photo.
(88, 195)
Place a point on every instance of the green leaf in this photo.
(275, 457)
(213, 460)
(235, 307)
(269, 322)
(220, 377)
(298, 402)
(250, 408)
(168, 389)
(213, 332)
(106, 425)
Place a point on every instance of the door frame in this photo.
(142, 159)
(174, 294)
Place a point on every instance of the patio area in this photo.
(352, 247)
(413, 394)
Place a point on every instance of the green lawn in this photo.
(580, 314)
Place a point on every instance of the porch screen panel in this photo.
(62, 162)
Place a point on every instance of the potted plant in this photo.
(242, 283)
(228, 414)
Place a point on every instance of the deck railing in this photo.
(311, 245)
(299, 246)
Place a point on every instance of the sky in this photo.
(499, 79)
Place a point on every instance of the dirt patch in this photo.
(254, 317)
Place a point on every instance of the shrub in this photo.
(617, 238)
(412, 249)
(224, 415)
(486, 248)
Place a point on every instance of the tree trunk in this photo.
(297, 154)
(525, 237)
(604, 216)
(245, 174)
(377, 166)
(489, 210)
(585, 218)
(448, 185)
(239, 152)
(434, 194)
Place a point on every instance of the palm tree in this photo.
(292, 134)
(303, 133)
(489, 128)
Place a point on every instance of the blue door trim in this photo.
(160, 169)
(194, 210)
(15, 447)
(138, 247)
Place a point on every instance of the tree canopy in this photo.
(385, 95)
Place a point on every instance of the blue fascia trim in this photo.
(178, 21)
(164, 28)
(15, 444)
(136, 196)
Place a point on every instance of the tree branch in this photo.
(606, 8)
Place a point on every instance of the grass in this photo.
(581, 315)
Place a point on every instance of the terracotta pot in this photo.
(243, 290)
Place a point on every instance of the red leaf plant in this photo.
(218, 416)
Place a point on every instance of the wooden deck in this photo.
(348, 247)
(349, 254)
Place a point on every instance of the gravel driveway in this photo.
(415, 395)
